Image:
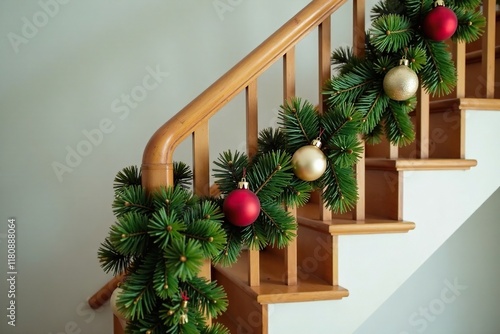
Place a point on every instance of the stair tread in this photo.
(272, 288)
(419, 164)
(308, 216)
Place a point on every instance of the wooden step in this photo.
(247, 311)
(419, 164)
(308, 217)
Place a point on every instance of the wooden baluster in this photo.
(201, 180)
(252, 135)
(201, 174)
(422, 126)
(325, 69)
(458, 51)
(289, 74)
(289, 92)
(118, 325)
(359, 50)
(252, 118)
(325, 73)
(201, 160)
(488, 59)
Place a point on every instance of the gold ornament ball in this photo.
(401, 82)
(309, 163)
(114, 306)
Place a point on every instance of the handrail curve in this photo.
(158, 154)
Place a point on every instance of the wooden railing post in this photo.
(325, 73)
(288, 93)
(422, 126)
(252, 135)
(359, 50)
(488, 60)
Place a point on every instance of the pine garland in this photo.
(397, 33)
(160, 242)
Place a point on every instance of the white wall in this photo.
(65, 70)
(457, 286)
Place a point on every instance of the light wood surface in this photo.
(324, 60)
(419, 164)
(252, 118)
(289, 74)
(104, 293)
(118, 325)
(201, 160)
(291, 256)
(488, 61)
(308, 217)
(271, 289)
(422, 124)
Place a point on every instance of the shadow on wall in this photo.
(456, 290)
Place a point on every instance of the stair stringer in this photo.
(374, 266)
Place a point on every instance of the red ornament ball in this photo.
(440, 24)
(241, 207)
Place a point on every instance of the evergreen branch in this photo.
(344, 60)
(129, 235)
(209, 234)
(300, 123)
(183, 176)
(341, 120)
(391, 33)
(138, 297)
(164, 281)
(173, 199)
(417, 57)
(164, 227)
(271, 140)
(132, 199)
(231, 251)
(111, 259)
(398, 126)
(386, 7)
(230, 170)
(129, 176)
(340, 192)
(416, 9)
(216, 328)
(438, 74)
(280, 225)
(375, 136)
(344, 150)
(470, 27)
(465, 4)
(255, 236)
(184, 257)
(208, 297)
(296, 194)
(269, 175)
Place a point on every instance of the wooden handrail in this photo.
(157, 162)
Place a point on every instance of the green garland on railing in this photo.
(401, 30)
(160, 242)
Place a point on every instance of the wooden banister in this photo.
(157, 159)
(157, 162)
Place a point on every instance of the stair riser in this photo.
(384, 194)
(317, 255)
(446, 138)
(241, 303)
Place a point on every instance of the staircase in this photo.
(308, 269)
